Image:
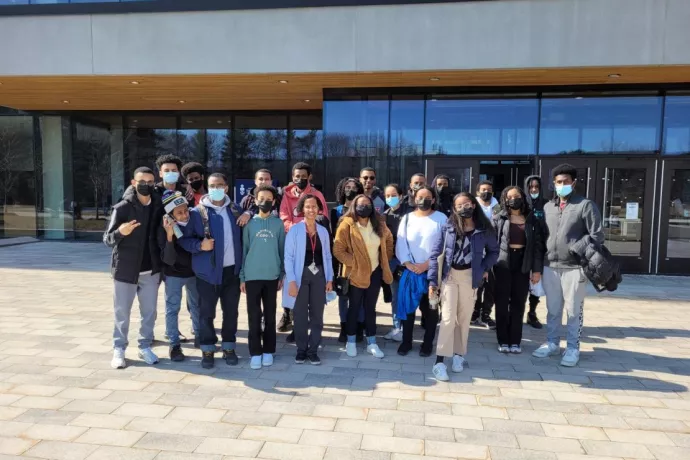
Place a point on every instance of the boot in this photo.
(342, 338)
(285, 323)
(533, 321)
(360, 332)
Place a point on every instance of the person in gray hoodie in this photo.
(261, 277)
(570, 219)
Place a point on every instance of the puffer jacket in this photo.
(598, 264)
(533, 260)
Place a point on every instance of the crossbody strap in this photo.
(407, 242)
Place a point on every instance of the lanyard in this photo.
(313, 247)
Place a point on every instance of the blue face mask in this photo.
(216, 194)
(393, 201)
(331, 296)
(534, 195)
(564, 190)
(171, 177)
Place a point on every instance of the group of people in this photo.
(452, 257)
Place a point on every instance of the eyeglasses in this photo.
(368, 177)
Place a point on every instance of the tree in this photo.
(12, 147)
(98, 157)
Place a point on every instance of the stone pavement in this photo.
(60, 400)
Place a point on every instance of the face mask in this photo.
(171, 177)
(265, 206)
(424, 205)
(144, 189)
(534, 195)
(182, 224)
(393, 201)
(486, 196)
(351, 194)
(197, 184)
(331, 296)
(364, 210)
(465, 213)
(442, 189)
(301, 184)
(515, 203)
(564, 190)
(216, 194)
(416, 187)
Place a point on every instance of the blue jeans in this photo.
(343, 303)
(173, 300)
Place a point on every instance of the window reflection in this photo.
(260, 142)
(679, 216)
(677, 125)
(624, 210)
(407, 138)
(147, 138)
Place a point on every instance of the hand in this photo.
(293, 289)
(168, 225)
(243, 288)
(536, 277)
(485, 276)
(412, 267)
(329, 286)
(423, 267)
(207, 244)
(280, 284)
(127, 228)
(432, 291)
(243, 219)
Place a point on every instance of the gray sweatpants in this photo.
(147, 293)
(564, 287)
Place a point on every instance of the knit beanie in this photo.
(172, 199)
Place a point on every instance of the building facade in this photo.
(473, 89)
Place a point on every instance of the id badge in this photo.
(313, 268)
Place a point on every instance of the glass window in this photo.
(260, 142)
(147, 138)
(407, 139)
(678, 243)
(481, 125)
(306, 144)
(17, 177)
(677, 125)
(577, 124)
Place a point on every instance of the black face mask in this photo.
(486, 196)
(144, 189)
(301, 184)
(465, 213)
(424, 205)
(197, 184)
(364, 210)
(443, 190)
(265, 206)
(350, 195)
(515, 203)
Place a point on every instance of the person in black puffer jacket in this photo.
(535, 201)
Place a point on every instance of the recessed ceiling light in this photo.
(283, 81)
(134, 82)
(579, 98)
(181, 102)
(614, 75)
(65, 101)
(220, 122)
(190, 121)
(135, 121)
(434, 79)
(307, 100)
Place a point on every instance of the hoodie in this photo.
(444, 200)
(263, 245)
(535, 204)
(288, 205)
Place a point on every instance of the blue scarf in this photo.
(412, 288)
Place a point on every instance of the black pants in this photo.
(485, 298)
(258, 292)
(510, 299)
(431, 322)
(533, 302)
(229, 295)
(368, 298)
(308, 311)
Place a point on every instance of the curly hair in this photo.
(524, 209)
(266, 188)
(168, 159)
(340, 189)
(374, 218)
(193, 167)
(304, 198)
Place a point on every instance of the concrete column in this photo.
(56, 164)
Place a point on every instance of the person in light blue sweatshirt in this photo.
(263, 245)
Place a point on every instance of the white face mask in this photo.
(183, 224)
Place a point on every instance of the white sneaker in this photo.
(394, 334)
(118, 361)
(255, 362)
(440, 372)
(267, 360)
(570, 358)
(458, 363)
(375, 350)
(547, 349)
(351, 349)
(148, 356)
(503, 349)
(515, 349)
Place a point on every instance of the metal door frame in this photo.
(664, 265)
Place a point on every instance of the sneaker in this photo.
(267, 360)
(515, 349)
(394, 334)
(230, 357)
(440, 372)
(570, 357)
(285, 323)
(255, 362)
(503, 349)
(342, 337)
(207, 359)
(314, 359)
(404, 349)
(148, 356)
(300, 358)
(547, 349)
(118, 361)
(291, 337)
(478, 322)
(491, 324)
(533, 321)
(458, 363)
(351, 349)
(375, 350)
(176, 354)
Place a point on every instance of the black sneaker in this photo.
(491, 324)
(424, 351)
(207, 359)
(314, 359)
(285, 323)
(291, 337)
(197, 342)
(404, 349)
(176, 354)
(230, 357)
(342, 338)
(533, 321)
(300, 358)
(360, 333)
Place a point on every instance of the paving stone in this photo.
(108, 437)
(308, 422)
(9, 413)
(339, 453)
(15, 446)
(545, 444)
(215, 430)
(453, 421)
(156, 425)
(366, 427)
(251, 418)
(50, 417)
(601, 421)
(277, 407)
(331, 439)
(355, 413)
(428, 433)
(479, 411)
(638, 437)
(512, 426)
(93, 407)
(485, 438)
(537, 416)
(171, 442)
(52, 432)
(101, 421)
(143, 410)
(393, 444)
(609, 448)
(84, 393)
(506, 453)
(197, 414)
(122, 453)
(657, 425)
(455, 450)
(58, 450)
(41, 402)
(268, 433)
(239, 447)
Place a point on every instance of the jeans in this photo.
(431, 322)
(510, 299)
(343, 304)
(308, 311)
(146, 290)
(258, 292)
(368, 298)
(229, 295)
(564, 287)
(173, 300)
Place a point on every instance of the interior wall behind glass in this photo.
(677, 125)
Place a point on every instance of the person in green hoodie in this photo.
(263, 244)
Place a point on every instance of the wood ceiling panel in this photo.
(264, 92)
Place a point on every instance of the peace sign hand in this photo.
(127, 228)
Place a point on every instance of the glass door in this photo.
(463, 173)
(584, 186)
(674, 220)
(626, 200)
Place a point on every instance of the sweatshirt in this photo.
(417, 235)
(263, 246)
(228, 247)
(288, 205)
